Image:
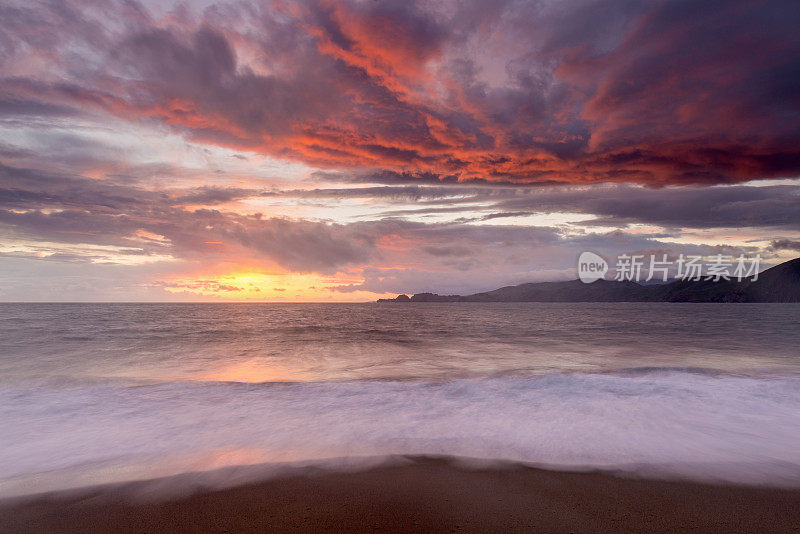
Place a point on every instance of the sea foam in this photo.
(672, 423)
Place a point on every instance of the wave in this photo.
(658, 421)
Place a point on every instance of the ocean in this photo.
(95, 393)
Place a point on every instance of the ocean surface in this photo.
(93, 393)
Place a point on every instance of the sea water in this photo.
(93, 393)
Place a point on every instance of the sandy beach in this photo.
(421, 495)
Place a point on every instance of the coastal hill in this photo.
(777, 284)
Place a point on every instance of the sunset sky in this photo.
(345, 151)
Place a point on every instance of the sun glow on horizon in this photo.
(244, 285)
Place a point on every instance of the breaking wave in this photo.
(657, 422)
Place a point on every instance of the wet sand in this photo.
(421, 495)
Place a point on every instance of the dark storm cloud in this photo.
(661, 92)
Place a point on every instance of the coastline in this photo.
(419, 494)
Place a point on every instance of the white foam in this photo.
(666, 423)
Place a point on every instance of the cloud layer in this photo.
(361, 147)
(71, 218)
(579, 91)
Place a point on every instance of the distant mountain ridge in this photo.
(780, 283)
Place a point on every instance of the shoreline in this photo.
(418, 494)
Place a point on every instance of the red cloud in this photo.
(657, 93)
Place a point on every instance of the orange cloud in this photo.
(658, 93)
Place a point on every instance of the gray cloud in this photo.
(785, 244)
(64, 208)
(612, 205)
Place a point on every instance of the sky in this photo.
(351, 150)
